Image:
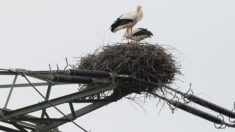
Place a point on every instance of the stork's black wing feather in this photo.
(120, 22)
(143, 31)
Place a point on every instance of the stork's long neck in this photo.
(140, 15)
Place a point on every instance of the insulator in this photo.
(72, 79)
(73, 72)
(58, 72)
(198, 112)
(90, 73)
(210, 105)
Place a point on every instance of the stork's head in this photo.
(140, 13)
(138, 8)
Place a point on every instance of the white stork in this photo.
(138, 34)
(127, 20)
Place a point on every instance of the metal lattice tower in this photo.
(97, 82)
(23, 121)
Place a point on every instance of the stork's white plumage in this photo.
(138, 34)
(127, 20)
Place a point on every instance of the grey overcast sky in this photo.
(34, 33)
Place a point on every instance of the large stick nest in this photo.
(150, 62)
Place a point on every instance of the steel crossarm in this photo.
(82, 111)
(78, 113)
(57, 101)
(40, 120)
(35, 84)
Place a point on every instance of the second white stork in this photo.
(138, 34)
(127, 20)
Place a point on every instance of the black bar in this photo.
(7, 73)
(18, 126)
(210, 105)
(90, 73)
(73, 72)
(72, 79)
(197, 112)
(40, 119)
(6, 129)
(92, 100)
(72, 110)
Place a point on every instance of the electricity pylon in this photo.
(100, 89)
(23, 121)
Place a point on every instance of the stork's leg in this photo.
(127, 30)
(131, 34)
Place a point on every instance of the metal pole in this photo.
(47, 97)
(11, 90)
